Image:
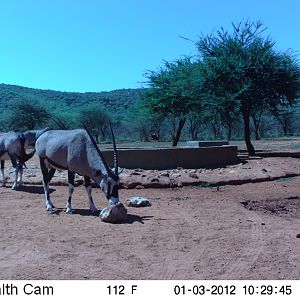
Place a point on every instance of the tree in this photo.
(172, 93)
(195, 121)
(246, 67)
(96, 120)
(27, 115)
(256, 116)
(145, 121)
(285, 117)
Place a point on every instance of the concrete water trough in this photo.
(206, 143)
(172, 158)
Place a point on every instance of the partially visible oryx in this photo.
(77, 152)
(13, 147)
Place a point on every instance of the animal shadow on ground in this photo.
(134, 218)
(33, 189)
(87, 212)
(129, 220)
(75, 211)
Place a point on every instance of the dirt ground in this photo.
(239, 222)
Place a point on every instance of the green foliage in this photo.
(173, 93)
(144, 121)
(64, 108)
(117, 101)
(243, 72)
(171, 89)
(96, 120)
(26, 115)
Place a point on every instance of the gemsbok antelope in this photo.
(13, 147)
(77, 152)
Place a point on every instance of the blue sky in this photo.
(101, 45)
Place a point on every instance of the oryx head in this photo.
(30, 138)
(107, 179)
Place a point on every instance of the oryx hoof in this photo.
(69, 211)
(49, 207)
(14, 187)
(3, 184)
(93, 210)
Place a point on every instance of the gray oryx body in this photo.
(76, 151)
(13, 147)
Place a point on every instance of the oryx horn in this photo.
(116, 165)
(95, 145)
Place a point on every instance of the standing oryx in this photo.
(77, 152)
(13, 146)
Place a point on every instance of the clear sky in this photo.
(101, 45)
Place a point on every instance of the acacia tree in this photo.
(285, 117)
(96, 120)
(245, 65)
(144, 121)
(172, 93)
(27, 115)
(256, 116)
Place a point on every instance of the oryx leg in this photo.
(71, 177)
(2, 172)
(47, 175)
(20, 166)
(13, 159)
(88, 187)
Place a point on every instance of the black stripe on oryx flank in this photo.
(56, 165)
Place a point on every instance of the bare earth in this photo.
(239, 222)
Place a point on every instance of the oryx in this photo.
(13, 147)
(77, 152)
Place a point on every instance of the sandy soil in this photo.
(205, 224)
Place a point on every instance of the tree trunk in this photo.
(256, 122)
(247, 134)
(229, 132)
(285, 128)
(178, 132)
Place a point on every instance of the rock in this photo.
(113, 213)
(131, 185)
(140, 187)
(193, 175)
(138, 202)
(154, 180)
(264, 170)
(298, 236)
(245, 202)
(164, 174)
(176, 175)
(135, 173)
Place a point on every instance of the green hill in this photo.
(114, 101)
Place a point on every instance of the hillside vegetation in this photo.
(56, 101)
